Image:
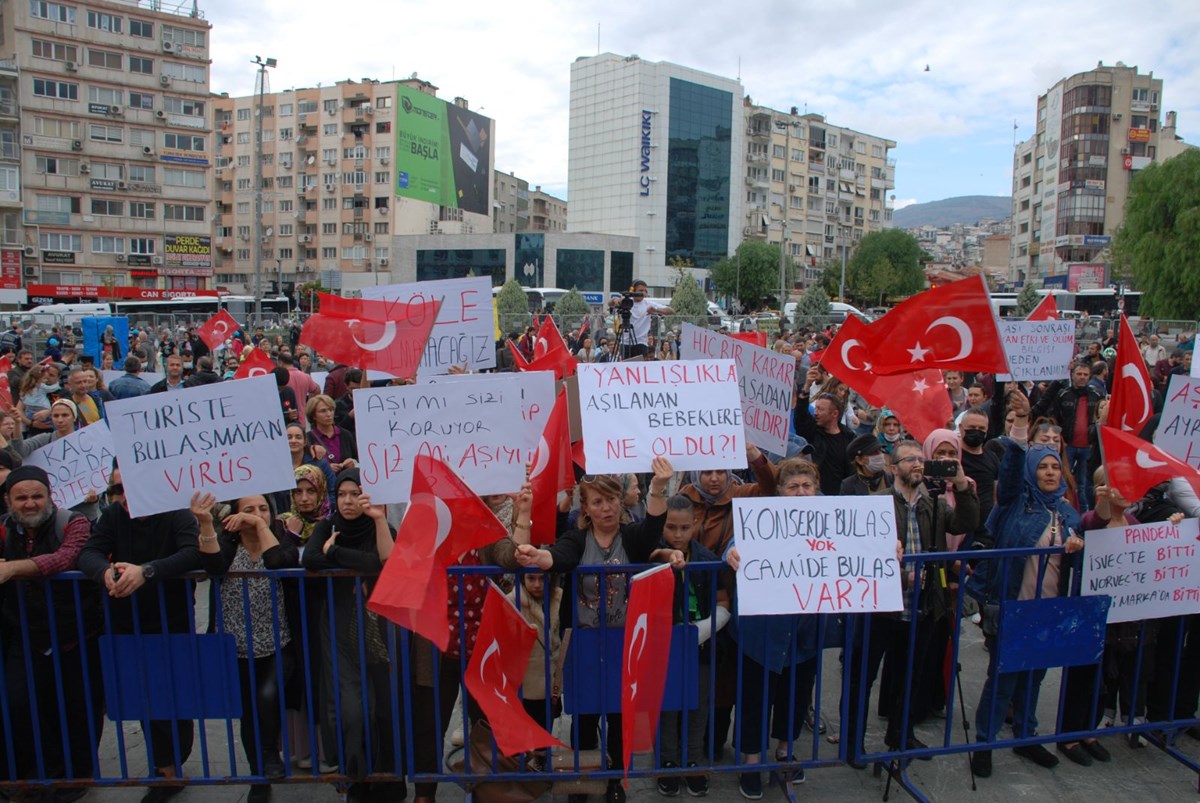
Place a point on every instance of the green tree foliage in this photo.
(831, 276)
(1158, 246)
(688, 301)
(885, 264)
(308, 292)
(570, 311)
(1027, 301)
(512, 307)
(752, 274)
(813, 307)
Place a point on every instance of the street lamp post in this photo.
(786, 125)
(842, 286)
(263, 64)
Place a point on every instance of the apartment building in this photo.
(346, 168)
(1095, 130)
(815, 187)
(546, 212)
(510, 209)
(110, 103)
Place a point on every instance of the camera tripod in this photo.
(627, 345)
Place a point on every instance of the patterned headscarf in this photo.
(313, 474)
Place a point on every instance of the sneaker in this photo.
(1038, 755)
(750, 785)
(668, 785)
(697, 785)
(981, 763)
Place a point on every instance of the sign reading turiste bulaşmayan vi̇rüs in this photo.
(647, 127)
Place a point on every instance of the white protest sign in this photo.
(1178, 431)
(687, 411)
(1038, 351)
(77, 464)
(227, 438)
(465, 328)
(766, 380)
(484, 426)
(816, 554)
(149, 377)
(1150, 570)
(1195, 363)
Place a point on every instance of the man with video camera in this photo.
(633, 314)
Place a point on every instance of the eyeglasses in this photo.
(116, 489)
(912, 458)
(1057, 430)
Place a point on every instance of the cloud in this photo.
(900, 203)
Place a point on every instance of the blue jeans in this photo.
(1077, 463)
(1019, 688)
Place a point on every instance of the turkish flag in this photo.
(550, 352)
(388, 336)
(6, 401)
(256, 363)
(1134, 466)
(583, 327)
(405, 576)
(1046, 310)
(645, 657)
(918, 398)
(1131, 406)
(753, 338)
(217, 328)
(497, 668)
(552, 472)
(461, 522)
(947, 327)
(518, 358)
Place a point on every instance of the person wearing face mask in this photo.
(888, 430)
(870, 468)
(981, 465)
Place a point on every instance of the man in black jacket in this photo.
(149, 553)
(822, 428)
(204, 375)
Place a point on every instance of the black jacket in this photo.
(1062, 400)
(829, 449)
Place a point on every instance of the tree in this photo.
(1027, 301)
(813, 307)
(1158, 246)
(752, 274)
(831, 276)
(885, 263)
(512, 307)
(688, 301)
(570, 311)
(308, 296)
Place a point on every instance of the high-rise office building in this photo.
(112, 162)
(655, 149)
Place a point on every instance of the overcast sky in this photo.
(862, 64)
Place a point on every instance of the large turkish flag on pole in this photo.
(1131, 406)
(386, 336)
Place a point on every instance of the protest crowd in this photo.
(382, 562)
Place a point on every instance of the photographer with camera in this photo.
(633, 319)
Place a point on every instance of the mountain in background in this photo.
(965, 209)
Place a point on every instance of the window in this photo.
(108, 170)
(285, 206)
(54, 166)
(383, 152)
(187, 106)
(243, 114)
(103, 206)
(330, 130)
(104, 58)
(141, 100)
(184, 72)
(328, 253)
(268, 206)
(107, 245)
(330, 106)
(52, 241)
(141, 137)
(176, 177)
(55, 89)
(268, 111)
(9, 179)
(185, 36)
(55, 12)
(141, 209)
(138, 64)
(284, 182)
(777, 175)
(50, 127)
(141, 28)
(383, 177)
(243, 138)
(285, 109)
(104, 22)
(286, 253)
(183, 212)
(243, 184)
(141, 245)
(109, 97)
(53, 50)
(329, 228)
(306, 106)
(142, 173)
(243, 232)
(381, 227)
(184, 142)
(268, 183)
(285, 134)
(329, 178)
(357, 152)
(356, 177)
(329, 154)
(243, 253)
(106, 133)
(383, 128)
(243, 207)
(877, 151)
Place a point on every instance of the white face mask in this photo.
(875, 463)
(891, 437)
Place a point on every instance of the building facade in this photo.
(546, 212)
(111, 171)
(1095, 130)
(344, 169)
(510, 207)
(654, 152)
(813, 187)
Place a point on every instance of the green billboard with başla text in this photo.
(443, 152)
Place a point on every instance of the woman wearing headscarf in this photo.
(310, 502)
(357, 537)
(888, 430)
(1030, 511)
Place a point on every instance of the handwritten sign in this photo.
(1038, 351)
(688, 411)
(816, 554)
(484, 426)
(463, 332)
(77, 464)
(1178, 430)
(227, 438)
(1150, 570)
(765, 381)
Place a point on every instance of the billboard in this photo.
(188, 251)
(443, 152)
(1085, 277)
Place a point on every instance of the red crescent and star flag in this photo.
(217, 328)
(645, 657)
(1134, 466)
(1131, 405)
(256, 363)
(385, 336)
